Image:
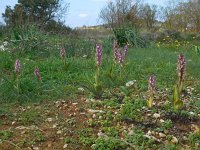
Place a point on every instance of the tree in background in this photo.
(147, 15)
(123, 12)
(118, 13)
(182, 16)
(39, 12)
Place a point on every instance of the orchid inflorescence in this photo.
(181, 68)
(37, 73)
(62, 52)
(118, 56)
(152, 84)
(115, 51)
(125, 51)
(152, 90)
(17, 66)
(98, 55)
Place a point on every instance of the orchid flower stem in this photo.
(121, 69)
(64, 61)
(17, 83)
(38, 86)
(97, 76)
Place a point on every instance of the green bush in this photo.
(129, 35)
(28, 40)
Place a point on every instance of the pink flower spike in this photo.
(17, 66)
(115, 50)
(120, 57)
(152, 84)
(62, 52)
(181, 66)
(125, 51)
(98, 55)
(37, 73)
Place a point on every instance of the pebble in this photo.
(185, 138)
(49, 119)
(130, 133)
(166, 131)
(94, 116)
(162, 135)
(149, 132)
(65, 146)
(156, 115)
(13, 122)
(59, 132)
(174, 140)
(161, 120)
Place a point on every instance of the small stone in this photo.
(55, 125)
(100, 117)
(153, 132)
(59, 132)
(162, 135)
(102, 135)
(166, 131)
(49, 119)
(65, 146)
(156, 115)
(49, 145)
(185, 138)
(149, 132)
(116, 113)
(94, 116)
(13, 122)
(161, 120)
(35, 148)
(23, 132)
(195, 128)
(174, 140)
(74, 104)
(94, 111)
(148, 115)
(130, 133)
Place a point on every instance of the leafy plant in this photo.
(181, 67)
(97, 85)
(152, 90)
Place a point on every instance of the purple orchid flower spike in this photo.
(98, 55)
(152, 84)
(17, 66)
(181, 66)
(120, 57)
(62, 52)
(37, 73)
(125, 51)
(115, 51)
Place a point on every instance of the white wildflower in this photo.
(81, 89)
(5, 43)
(130, 83)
